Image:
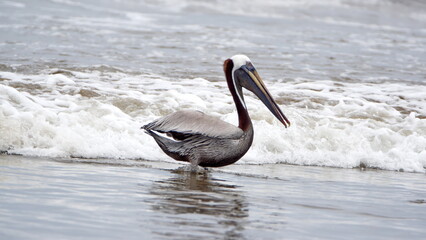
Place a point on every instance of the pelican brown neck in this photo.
(244, 121)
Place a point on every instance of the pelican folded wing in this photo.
(188, 122)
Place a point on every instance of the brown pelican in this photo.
(207, 141)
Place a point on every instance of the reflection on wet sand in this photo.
(198, 205)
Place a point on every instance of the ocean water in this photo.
(78, 78)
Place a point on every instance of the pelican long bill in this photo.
(259, 88)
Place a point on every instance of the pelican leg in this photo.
(192, 169)
(194, 159)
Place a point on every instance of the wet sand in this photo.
(137, 199)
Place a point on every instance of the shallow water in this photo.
(110, 199)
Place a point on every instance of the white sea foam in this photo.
(94, 114)
(353, 77)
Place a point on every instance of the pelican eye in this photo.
(250, 67)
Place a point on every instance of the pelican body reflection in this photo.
(198, 206)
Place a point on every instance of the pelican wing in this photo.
(183, 124)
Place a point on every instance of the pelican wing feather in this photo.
(185, 123)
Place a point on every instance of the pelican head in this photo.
(244, 74)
